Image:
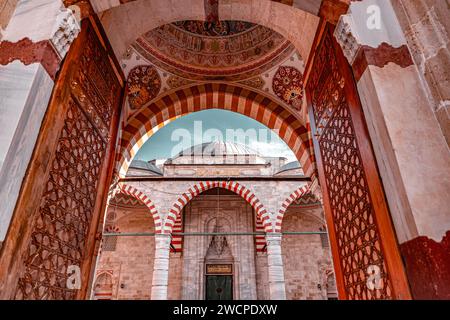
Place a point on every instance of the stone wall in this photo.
(426, 25)
(305, 259)
(233, 215)
(131, 263)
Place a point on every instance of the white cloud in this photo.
(273, 148)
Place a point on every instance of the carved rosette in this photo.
(144, 84)
(287, 84)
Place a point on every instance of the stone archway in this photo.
(173, 221)
(223, 96)
(242, 191)
(286, 20)
(144, 199)
(297, 194)
(420, 225)
(235, 187)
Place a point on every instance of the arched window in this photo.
(103, 289)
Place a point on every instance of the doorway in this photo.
(219, 287)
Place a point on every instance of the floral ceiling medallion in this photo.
(144, 84)
(287, 84)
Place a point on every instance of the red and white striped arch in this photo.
(129, 190)
(260, 240)
(300, 192)
(177, 240)
(249, 196)
(144, 133)
(220, 96)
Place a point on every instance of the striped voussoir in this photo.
(285, 205)
(175, 211)
(177, 240)
(146, 201)
(260, 240)
(219, 96)
(136, 143)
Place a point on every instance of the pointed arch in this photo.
(132, 191)
(103, 286)
(176, 244)
(288, 20)
(297, 194)
(261, 108)
(312, 6)
(244, 192)
(177, 240)
(260, 240)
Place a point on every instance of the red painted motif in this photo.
(28, 52)
(287, 84)
(143, 84)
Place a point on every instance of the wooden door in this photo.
(365, 253)
(219, 287)
(62, 200)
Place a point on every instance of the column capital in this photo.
(65, 30)
(345, 35)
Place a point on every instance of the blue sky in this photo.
(210, 125)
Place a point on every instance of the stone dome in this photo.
(291, 168)
(220, 150)
(146, 166)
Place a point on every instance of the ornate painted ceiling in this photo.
(214, 29)
(226, 50)
(189, 52)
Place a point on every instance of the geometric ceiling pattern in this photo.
(224, 51)
(190, 52)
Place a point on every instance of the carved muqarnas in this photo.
(287, 84)
(144, 84)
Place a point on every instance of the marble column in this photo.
(161, 267)
(36, 39)
(409, 145)
(277, 289)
